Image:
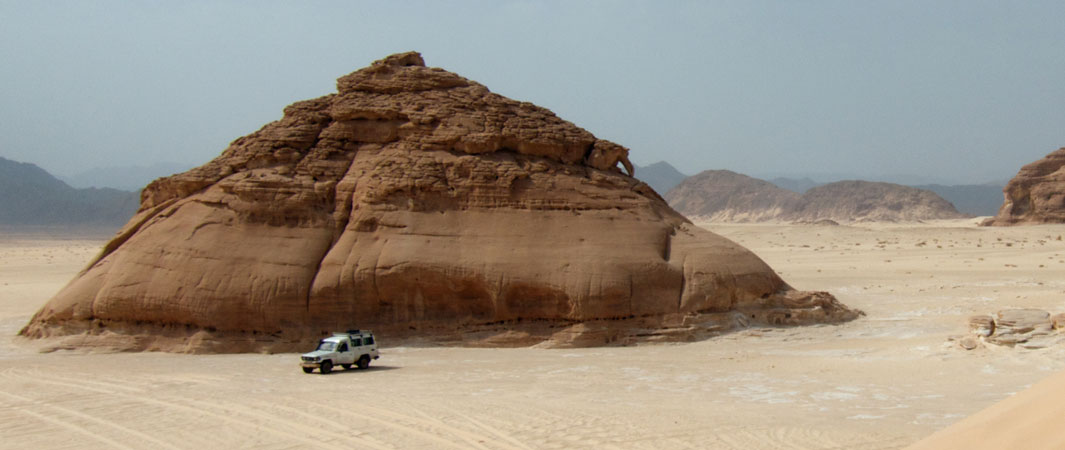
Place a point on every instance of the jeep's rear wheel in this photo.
(327, 366)
(308, 369)
(364, 361)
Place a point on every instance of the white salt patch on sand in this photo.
(833, 396)
(763, 394)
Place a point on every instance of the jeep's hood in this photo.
(318, 353)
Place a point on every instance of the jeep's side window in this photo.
(355, 342)
(343, 347)
(369, 341)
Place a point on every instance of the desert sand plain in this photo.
(883, 381)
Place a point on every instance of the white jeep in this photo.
(354, 347)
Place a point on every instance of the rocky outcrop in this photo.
(868, 201)
(1036, 195)
(726, 196)
(419, 204)
(1026, 328)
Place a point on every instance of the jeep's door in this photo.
(345, 354)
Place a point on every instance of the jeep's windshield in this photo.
(327, 346)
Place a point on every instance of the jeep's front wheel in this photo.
(327, 366)
(364, 361)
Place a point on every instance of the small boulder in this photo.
(969, 342)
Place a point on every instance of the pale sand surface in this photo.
(883, 381)
(1030, 420)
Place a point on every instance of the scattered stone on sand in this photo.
(969, 342)
(421, 205)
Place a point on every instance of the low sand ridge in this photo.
(883, 381)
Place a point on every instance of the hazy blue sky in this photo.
(960, 91)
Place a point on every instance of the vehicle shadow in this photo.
(356, 370)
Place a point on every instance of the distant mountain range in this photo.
(972, 199)
(126, 178)
(859, 201)
(722, 195)
(31, 196)
(727, 196)
(797, 185)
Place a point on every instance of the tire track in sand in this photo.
(410, 424)
(225, 413)
(493, 430)
(63, 424)
(369, 441)
(94, 419)
(263, 405)
(554, 429)
(796, 438)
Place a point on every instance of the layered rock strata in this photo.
(1036, 195)
(416, 203)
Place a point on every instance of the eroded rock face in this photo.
(1036, 195)
(416, 203)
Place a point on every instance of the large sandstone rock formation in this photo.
(726, 196)
(1036, 194)
(419, 204)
